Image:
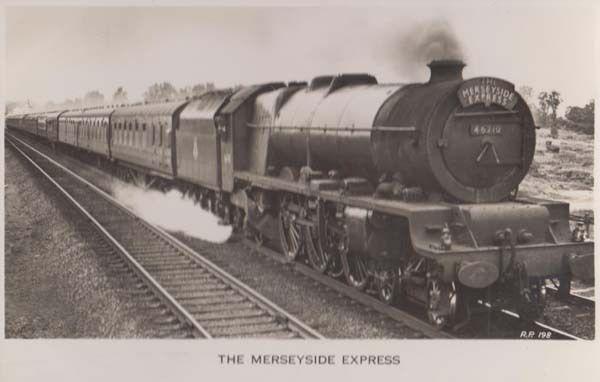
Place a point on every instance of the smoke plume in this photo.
(172, 211)
(414, 49)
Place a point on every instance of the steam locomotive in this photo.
(406, 191)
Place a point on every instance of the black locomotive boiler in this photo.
(408, 191)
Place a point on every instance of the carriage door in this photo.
(225, 160)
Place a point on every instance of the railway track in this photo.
(574, 297)
(507, 323)
(207, 301)
(366, 300)
(510, 326)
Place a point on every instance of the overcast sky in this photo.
(56, 53)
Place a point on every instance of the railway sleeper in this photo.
(233, 312)
(239, 321)
(282, 334)
(184, 274)
(170, 267)
(152, 255)
(212, 294)
(183, 262)
(183, 282)
(219, 311)
(259, 328)
(216, 300)
(188, 295)
(189, 288)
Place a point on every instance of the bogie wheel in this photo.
(290, 233)
(355, 270)
(388, 284)
(441, 303)
(532, 302)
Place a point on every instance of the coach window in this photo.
(130, 134)
(168, 136)
(160, 134)
(144, 136)
(136, 136)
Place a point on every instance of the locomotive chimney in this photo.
(445, 70)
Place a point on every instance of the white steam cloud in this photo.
(172, 211)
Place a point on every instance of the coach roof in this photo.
(150, 109)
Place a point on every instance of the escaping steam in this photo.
(172, 211)
(414, 49)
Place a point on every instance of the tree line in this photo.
(157, 92)
(545, 106)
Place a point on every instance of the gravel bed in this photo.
(327, 311)
(56, 285)
(332, 314)
(573, 319)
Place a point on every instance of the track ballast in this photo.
(208, 302)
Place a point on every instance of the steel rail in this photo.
(164, 295)
(561, 333)
(295, 324)
(394, 313)
(574, 297)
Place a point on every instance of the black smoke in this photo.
(413, 49)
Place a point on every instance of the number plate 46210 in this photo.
(480, 130)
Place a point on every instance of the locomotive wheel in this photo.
(290, 233)
(532, 302)
(336, 268)
(334, 242)
(355, 270)
(252, 233)
(238, 219)
(437, 291)
(387, 284)
(317, 256)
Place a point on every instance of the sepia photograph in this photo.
(190, 172)
(324, 172)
